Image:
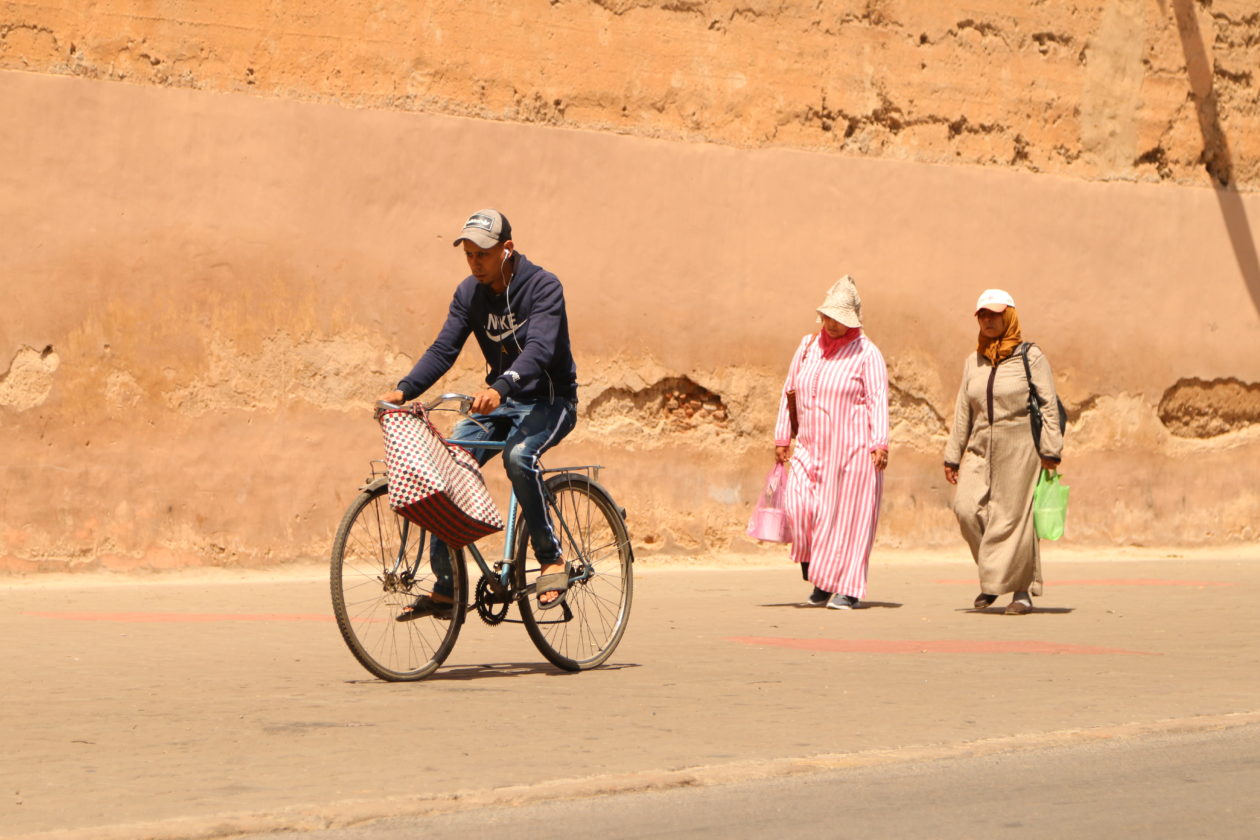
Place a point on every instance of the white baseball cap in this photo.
(994, 300)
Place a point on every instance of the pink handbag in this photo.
(769, 521)
(436, 486)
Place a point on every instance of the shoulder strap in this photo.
(1023, 353)
(1034, 397)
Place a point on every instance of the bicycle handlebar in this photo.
(465, 403)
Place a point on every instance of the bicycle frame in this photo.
(513, 516)
(509, 531)
(509, 527)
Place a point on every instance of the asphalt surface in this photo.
(1203, 784)
(174, 707)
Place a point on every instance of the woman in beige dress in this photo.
(992, 459)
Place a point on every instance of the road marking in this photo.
(1115, 582)
(152, 617)
(932, 646)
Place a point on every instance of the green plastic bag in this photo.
(1050, 500)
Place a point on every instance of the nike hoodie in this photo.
(526, 344)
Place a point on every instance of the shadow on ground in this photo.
(464, 673)
(864, 605)
(999, 610)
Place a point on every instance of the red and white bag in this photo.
(436, 486)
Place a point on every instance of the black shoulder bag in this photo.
(1034, 405)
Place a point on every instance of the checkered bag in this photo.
(436, 486)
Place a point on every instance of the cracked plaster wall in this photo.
(203, 293)
(1093, 89)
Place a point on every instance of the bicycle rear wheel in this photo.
(379, 565)
(583, 632)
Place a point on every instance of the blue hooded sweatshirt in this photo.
(526, 345)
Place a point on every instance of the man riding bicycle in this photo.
(516, 311)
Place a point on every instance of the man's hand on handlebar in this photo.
(485, 401)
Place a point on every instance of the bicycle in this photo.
(379, 565)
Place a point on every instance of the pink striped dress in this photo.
(833, 489)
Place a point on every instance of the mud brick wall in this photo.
(224, 228)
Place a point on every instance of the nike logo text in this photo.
(504, 324)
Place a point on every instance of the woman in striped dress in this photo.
(835, 407)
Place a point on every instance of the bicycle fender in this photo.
(373, 484)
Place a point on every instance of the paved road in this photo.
(1187, 785)
(188, 708)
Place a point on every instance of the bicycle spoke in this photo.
(592, 537)
(373, 581)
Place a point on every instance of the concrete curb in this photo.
(354, 812)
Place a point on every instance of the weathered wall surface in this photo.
(1095, 88)
(202, 288)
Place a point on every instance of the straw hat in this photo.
(843, 303)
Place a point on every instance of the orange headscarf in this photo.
(997, 349)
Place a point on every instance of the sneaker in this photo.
(842, 602)
(819, 597)
(425, 606)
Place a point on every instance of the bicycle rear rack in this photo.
(591, 470)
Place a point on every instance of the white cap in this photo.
(994, 300)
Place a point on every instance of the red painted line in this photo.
(142, 617)
(1115, 582)
(931, 646)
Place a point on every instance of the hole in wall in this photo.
(1199, 409)
(676, 401)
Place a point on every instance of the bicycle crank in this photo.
(492, 601)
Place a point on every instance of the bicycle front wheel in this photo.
(379, 566)
(583, 632)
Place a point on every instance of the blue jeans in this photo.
(529, 430)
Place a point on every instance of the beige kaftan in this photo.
(991, 444)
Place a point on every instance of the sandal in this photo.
(1018, 607)
(552, 582)
(984, 601)
(425, 606)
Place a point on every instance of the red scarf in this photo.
(831, 345)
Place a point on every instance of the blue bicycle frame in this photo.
(509, 529)
(509, 532)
